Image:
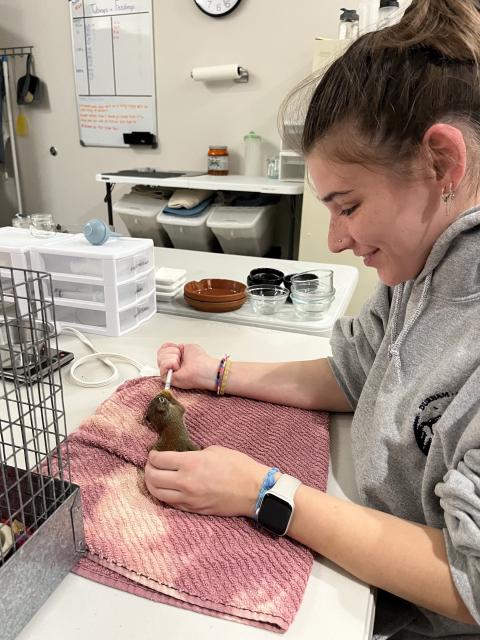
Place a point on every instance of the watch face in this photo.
(275, 514)
(217, 8)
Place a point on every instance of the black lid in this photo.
(389, 3)
(349, 15)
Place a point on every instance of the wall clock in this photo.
(217, 8)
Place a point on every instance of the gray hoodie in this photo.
(410, 367)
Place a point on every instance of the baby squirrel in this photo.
(165, 416)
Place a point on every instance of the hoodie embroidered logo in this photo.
(429, 413)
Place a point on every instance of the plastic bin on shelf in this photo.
(139, 213)
(291, 167)
(107, 289)
(244, 231)
(189, 232)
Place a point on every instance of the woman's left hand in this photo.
(214, 481)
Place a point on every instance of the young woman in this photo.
(392, 144)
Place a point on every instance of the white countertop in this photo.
(335, 605)
(220, 183)
(202, 264)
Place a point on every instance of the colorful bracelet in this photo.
(221, 372)
(268, 483)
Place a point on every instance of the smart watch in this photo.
(276, 508)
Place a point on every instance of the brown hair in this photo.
(391, 85)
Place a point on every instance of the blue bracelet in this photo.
(268, 483)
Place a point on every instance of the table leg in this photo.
(293, 207)
(108, 200)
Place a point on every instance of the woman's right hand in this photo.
(192, 367)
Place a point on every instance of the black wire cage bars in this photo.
(41, 530)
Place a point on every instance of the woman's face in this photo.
(389, 221)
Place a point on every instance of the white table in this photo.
(335, 605)
(201, 264)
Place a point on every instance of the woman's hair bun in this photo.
(450, 27)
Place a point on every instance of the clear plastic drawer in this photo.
(114, 297)
(112, 323)
(111, 272)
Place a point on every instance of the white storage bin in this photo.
(116, 261)
(189, 232)
(291, 167)
(139, 213)
(244, 231)
(94, 318)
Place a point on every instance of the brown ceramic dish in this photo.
(215, 307)
(215, 290)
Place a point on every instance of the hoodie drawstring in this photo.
(396, 343)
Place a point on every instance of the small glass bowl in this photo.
(314, 282)
(311, 307)
(267, 300)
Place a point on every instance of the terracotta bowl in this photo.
(215, 307)
(215, 290)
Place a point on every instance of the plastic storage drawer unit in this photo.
(107, 289)
(244, 231)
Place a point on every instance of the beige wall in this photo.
(273, 39)
(313, 246)
(316, 216)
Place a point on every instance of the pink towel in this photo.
(225, 567)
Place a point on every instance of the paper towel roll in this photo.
(221, 72)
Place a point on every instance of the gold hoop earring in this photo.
(450, 195)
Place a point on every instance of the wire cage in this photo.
(41, 528)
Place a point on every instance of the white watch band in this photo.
(285, 487)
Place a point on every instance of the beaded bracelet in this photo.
(221, 372)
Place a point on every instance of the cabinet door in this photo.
(316, 217)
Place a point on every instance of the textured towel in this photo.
(225, 567)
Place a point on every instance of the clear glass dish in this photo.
(313, 307)
(318, 281)
(267, 300)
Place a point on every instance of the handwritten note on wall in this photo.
(114, 69)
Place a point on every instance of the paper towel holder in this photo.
(243, 76)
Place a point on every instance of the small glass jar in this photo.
(21, 221)
(218, 161)
(42, 225)
(273, 167)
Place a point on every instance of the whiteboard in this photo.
(113, 58)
